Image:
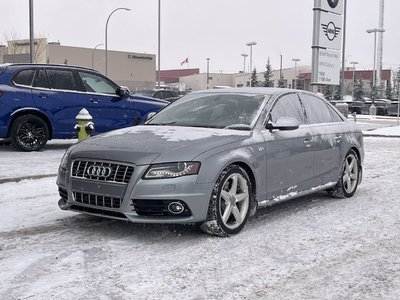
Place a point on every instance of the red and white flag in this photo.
(185, 61)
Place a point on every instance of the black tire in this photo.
(347, 183)
(29, 133)
(229, 206)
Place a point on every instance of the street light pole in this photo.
(296, 60)
(208, 71)
(159, 43)
(251, 44)
(108, 19)
(342, 92)
(244, 61)
(98, 45)
(31, 34)
(354, 63)
(398, 97)
(374, 31)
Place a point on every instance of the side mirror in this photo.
(123, 92)
(284, 123)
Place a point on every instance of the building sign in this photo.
(138, 56)
(327, 41)
(328, 67)
(330, 31)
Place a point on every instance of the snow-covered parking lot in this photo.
(314, 247)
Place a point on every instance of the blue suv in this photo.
(40, 102)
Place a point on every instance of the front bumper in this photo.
(139, 201)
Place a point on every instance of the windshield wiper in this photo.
(161, 124)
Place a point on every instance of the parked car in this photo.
(382, 107)
(167, 95)
(213, 157)
(393, 108)
(40, 102)
(355, 107)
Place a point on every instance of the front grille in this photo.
(158, 208)
(63, 194)
(97, 200)
(96, 211)
(110, 172)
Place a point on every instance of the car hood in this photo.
(154, 101)
(155, 144)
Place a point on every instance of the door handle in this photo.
(94, 100)
(43, 96)
(338, 139)
(308, 142)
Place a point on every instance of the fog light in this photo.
(175, 208)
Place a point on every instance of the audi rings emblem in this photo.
(99, 171)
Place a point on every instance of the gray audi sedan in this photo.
(213, 157)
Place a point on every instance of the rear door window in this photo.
(316, 110)
(335, 116)
(97, 84)
(24, 77)
(41, 80)
(62, 80)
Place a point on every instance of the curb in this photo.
(379, 135)
(18, 179)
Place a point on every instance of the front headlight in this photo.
(172, 170)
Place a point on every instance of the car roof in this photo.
(254, 90)
(47, 66)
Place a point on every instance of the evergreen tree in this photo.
(268, 73)
(336, 95)
(358, 90)
(254, 81)
(396, 86)
(374, 91)
(328, 92)
(389, 91)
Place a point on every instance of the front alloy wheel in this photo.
(229, 204)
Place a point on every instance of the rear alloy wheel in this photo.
(348, 181)
(229, 204)
(29, 133)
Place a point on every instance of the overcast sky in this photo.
(218, 29)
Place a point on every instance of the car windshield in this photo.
(233, 111)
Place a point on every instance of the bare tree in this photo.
(17, 46)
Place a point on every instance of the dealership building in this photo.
(131, 69)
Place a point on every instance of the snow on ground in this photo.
(14, 164)
(314, 247)
(386, 131)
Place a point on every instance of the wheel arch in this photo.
(355, 149)
(30, 111)
(250, 173)
(358, 153)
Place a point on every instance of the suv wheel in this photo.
(29, 133)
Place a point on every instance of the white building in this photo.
(199, 81)
(135, 70)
